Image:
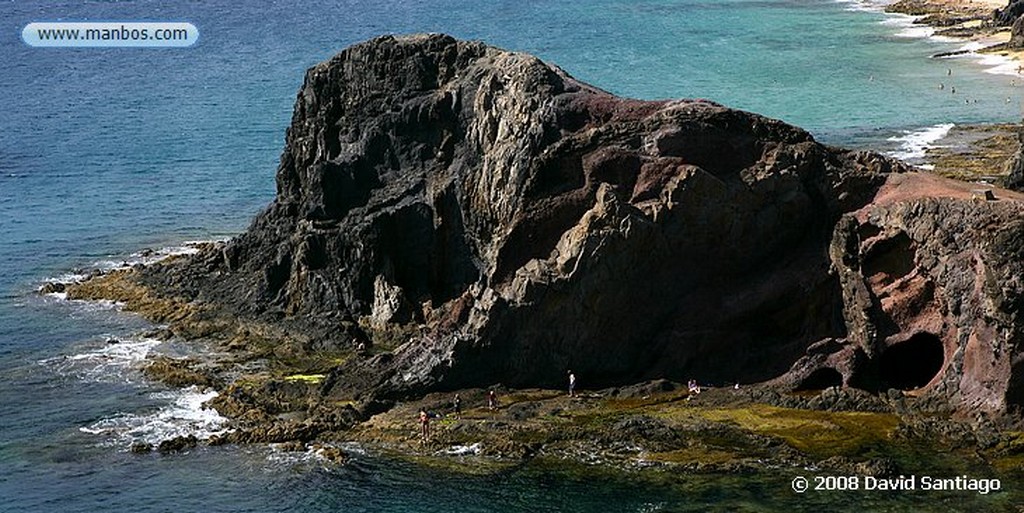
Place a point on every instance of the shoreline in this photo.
(970, 152)
(969, 22)
(652, 426)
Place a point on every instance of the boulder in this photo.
(1010, 14)
(1017, 34)
(177, 444)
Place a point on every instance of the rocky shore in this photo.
(654, 426)
(455, 218)
(995, 24)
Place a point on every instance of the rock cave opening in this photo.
(821, 379)
(911, 364)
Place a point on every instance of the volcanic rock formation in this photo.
(482, 217)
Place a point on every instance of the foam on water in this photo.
(151, 256)
(914, 144)
(313, 454)
(863, 5)
(463, 450)
(907, 26)
(184, 415)
(143, 257)
(995, 64)
(110, 362)
(999, 65)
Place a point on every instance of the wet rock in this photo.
(177, 444)
(141, 448)
(878, 467)
(276, 432)
(293, 446)
(52, 288)
(647, 432)
(178, 372)
(329, 453)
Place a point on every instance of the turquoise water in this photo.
(106, 152)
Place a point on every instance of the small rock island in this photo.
(453, 217)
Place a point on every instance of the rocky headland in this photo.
(453, 217)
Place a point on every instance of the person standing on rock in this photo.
(457, 406)
(424, 425)
(572, 384)
(492, 400)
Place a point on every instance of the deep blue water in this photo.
(104, 152)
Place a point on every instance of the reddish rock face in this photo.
(931, 279)
(504, 222)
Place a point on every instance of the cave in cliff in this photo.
(913, 363)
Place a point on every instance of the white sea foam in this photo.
(998, 64)
(914, 144)
(463, 450)
(971, 46)
(144, 257)
(863, 5)
(106, 362)
(995, 64)
(907, 27)
(313, 456)
(151, 256)
(184, 415)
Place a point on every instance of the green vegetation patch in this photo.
(312, 379)
(816, 433)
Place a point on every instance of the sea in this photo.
(113, 156)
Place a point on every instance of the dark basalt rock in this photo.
(141, 448)
(1017, 34)
(52, 288)
(177, 444)
(1009, 14)
(494, 220)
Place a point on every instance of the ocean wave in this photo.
(913, 145)
(971, 47)
(863, 5)
(994, 64)
(324, 456)
(116, 361)
(998, 64)
(185, 415)
(906, 26)
(151, 256)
